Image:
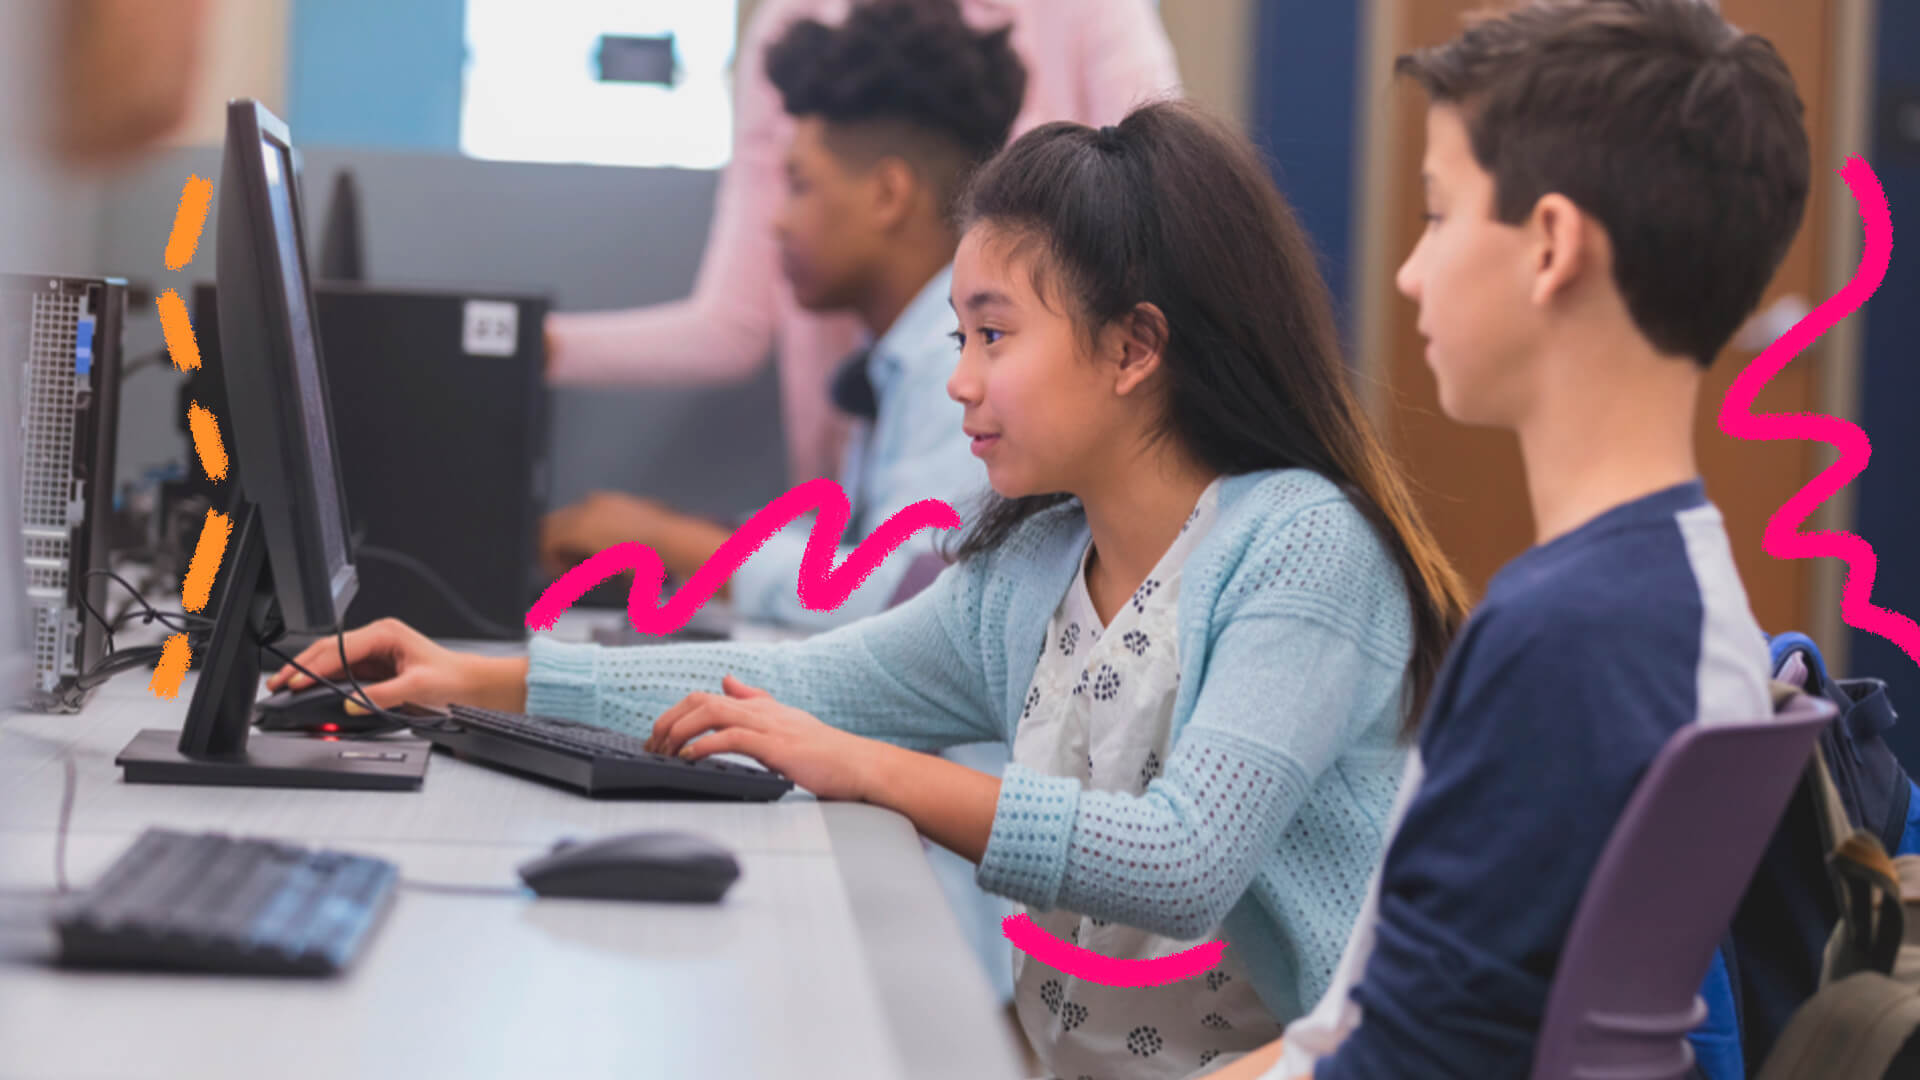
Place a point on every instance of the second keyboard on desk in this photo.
(212, 902)
(593, 760)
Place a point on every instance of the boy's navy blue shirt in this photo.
(1587, 653)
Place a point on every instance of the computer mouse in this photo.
(317, 710)
(635, 866)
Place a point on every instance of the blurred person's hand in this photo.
(123, 75)
(599, 521)
(605, 518)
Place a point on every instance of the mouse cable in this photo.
(443, 888)
(183, 622)
(70, 782)
(69, 785)
(196, 627)
(116, 662)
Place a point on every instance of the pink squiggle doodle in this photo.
(1783, 538)
(822, 586)
(1105, 970)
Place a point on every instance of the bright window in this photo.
(533, 91)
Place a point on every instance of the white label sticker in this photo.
(492, 328)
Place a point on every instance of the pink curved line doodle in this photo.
(1105, 970)
(822, 587)
(1783, 538)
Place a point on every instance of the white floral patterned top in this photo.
(1100, 709)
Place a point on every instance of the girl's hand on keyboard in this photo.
(396, 663)
(746, 720)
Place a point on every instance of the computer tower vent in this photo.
(68, 397)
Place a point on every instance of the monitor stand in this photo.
(214, 747)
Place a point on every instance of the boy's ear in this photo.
(894, 186)
(1139, 343)
(1564, 246)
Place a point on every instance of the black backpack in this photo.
(1780, 933)
(1865, 1021)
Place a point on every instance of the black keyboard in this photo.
(178, 901)
(593, 760)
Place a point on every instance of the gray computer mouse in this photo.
(635, 866)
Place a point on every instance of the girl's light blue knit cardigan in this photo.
(1268, 817)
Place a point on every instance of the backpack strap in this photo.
(1866, 885)
(1872, 918)
(1828, 807)
(1856, 1027)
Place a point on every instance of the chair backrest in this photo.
(920, 574)
(1663, 894)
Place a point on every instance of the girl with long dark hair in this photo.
(1200, 608)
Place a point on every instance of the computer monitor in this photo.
(288, 565)
(342, 243)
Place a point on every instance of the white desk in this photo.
(834, 955)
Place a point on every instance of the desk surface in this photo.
(834, 955)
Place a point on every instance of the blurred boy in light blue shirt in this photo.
(893, 111)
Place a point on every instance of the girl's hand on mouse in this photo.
(396, 663)
(746, 720)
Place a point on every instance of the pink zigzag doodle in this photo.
(1105, 970)
(822, 587)
(1783, 538)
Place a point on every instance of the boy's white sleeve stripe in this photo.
(1321, 1031)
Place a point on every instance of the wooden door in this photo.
(1469, 480)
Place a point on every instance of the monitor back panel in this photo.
(440, 413)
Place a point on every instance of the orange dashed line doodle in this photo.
(171, 668)
(206, 440)
(191, 217)
(206, 560)
(187, 222)
(179, 331)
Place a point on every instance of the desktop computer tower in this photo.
(440, 413)
(60, 341)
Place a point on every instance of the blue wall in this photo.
(378, 73)
(1888, 501)
(1305, 74)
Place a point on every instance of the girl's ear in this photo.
(1140, 342)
